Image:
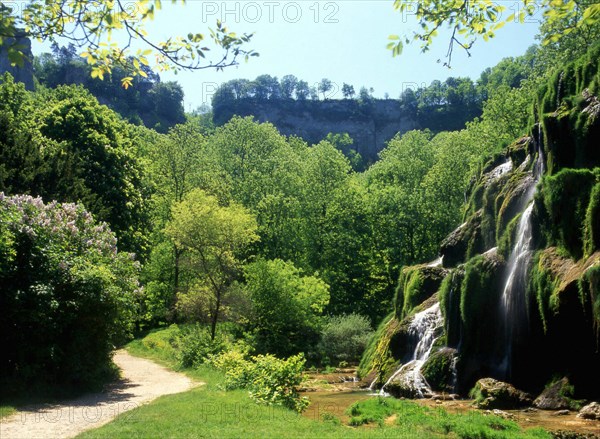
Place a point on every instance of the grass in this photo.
(208, 411)
(7, 410)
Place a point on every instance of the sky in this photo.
(344, 41)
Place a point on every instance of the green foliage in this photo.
(286, 307)
(344, 338)
(378, 357)
(566, 199)
(591, 228)
(437, 371)
(567, 109)
(469, 21)
(589, 293)
(478, 303)
(416, 420)
(269, 380)
(91, 27)
(147, 100)
(213, 236)
(67, 296)
(415, 285)
(196, 345)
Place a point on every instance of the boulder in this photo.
(556, 396)
(590, 411)
(439, 370)
(493, 394)
(464, 240)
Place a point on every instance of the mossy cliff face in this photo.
(559, 327)
(569, 110)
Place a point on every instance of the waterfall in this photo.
(425, 328)
(513, 303)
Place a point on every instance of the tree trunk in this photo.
(215, 317)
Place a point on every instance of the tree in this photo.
(302, 90)
(214, 237)
(324, 86)
(68, 296)
(91, 25)
(286, 306)
(288, 86)
(472, 19)
(348, 91)
(93, 162)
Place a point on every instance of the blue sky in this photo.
(340, 40)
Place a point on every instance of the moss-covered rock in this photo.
(466, 240)
(556, 396)
(519, 150)
(449, 296)
(566, 108)
(390, 345)
(565, 206)
(493, 394)
(439, 370)
(415, 285)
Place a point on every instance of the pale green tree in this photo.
(213, 236)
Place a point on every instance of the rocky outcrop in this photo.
(556, 396)
(22, 73)
(590, 411)
(493, 394)
(370, 124)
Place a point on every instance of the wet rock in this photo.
(494, 394)
(439, 370)
(561, 413)
(556, 396)
(455, 246)
(502, 414)
(590, 411)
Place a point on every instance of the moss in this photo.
(377, 356)
(543, 286)
(416, 284)
(510, 200)
(589, 293)
(449, 296)
(591, 229)
(438, 370)
(508, 238)
(566, 199)
(571, 132)
(478, 303)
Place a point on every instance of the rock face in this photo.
(22, 74)
(590, 411)
(494, 394)
(556, 396)
(370, 124)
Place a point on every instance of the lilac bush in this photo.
(67, 295)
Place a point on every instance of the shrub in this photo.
(68, 295)
(344, 338)
(269, 380)
(196, 345)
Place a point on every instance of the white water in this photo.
(513, 304)
(436, 262)
(425, 328)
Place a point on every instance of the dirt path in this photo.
(142, 382)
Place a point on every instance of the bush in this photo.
(344, 338)
(68, 296)
(196, 346)
(269, 380)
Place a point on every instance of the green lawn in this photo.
(208, 411)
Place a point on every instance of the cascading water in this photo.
(513, 303)
(425, 327)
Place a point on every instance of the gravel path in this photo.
(142, 381)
